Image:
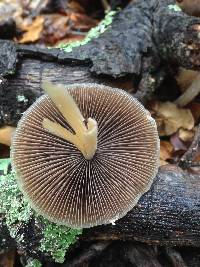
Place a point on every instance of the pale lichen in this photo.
(175, 8)
(56, 238)
(22, 98)
(93, 33)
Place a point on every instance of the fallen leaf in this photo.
(185, 78)
(195, 109)
(186, 135)
(163, 162)
(33, 31)
(166, 150)
(70, 38)
(75, 7)
(6, 135)
(170, 118)
(56, 27)
(82, 22)
(68, 28)
(177, 143)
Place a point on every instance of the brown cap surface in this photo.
(61, 184)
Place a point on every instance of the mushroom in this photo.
(85, 154)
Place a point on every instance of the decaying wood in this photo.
(141, 255)
(168, 214)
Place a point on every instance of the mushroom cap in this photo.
(61, 184)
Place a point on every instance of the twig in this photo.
(187, 160)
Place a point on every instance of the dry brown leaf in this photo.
(166, 150)
(163, 162)
(170, 118)
(195, 109)
(56, 27)
(75, 7)
(33, 31)
(82, 22)
(185, 78)
(66, 28)
(179, 147)
(177, 143)
(70, 38)
(6, 135)
(186, 135)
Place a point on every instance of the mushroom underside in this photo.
(68, 189)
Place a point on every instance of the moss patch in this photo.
(175, 8)
(56, 239)
(93, 33)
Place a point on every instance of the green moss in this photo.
(93, 33)
(175, 8)
(56, 239)
(33, 263)
(13, 204)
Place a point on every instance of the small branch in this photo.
(187, 160)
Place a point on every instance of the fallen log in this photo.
(168, 214)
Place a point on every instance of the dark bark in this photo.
(168, 214)
(88, 254)
(19, 91)
(187, 159)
